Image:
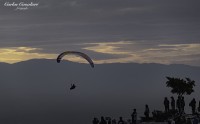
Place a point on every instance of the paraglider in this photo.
(73, 86)
(83, 55)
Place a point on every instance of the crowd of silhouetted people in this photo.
(177, 111)
(174, 115)
(109, 120)
(180, 105)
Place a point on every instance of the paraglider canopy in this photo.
(83, 55)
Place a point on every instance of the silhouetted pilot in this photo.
(73, 86)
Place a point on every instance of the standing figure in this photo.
(109, 120)
(121, 121)
(172, 121)
(173, 103)
(193, 105)
(199, 107)
(95, 121)
(182, 105)
(134, 116)
(166, 104)
(188, 121)
(195, 120)
(146, 112)
(114, 121)
(103, 121)
(178, 104)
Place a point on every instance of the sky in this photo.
(109, 31)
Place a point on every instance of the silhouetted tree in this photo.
(180, 86)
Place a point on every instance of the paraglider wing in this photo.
(83, 55)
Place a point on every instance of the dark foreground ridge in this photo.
(170, 116)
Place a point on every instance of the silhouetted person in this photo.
(195, 120)
(109, 120)
(146, 112)
(188, 121)
(129, 121)
(178, 120)
(134, 116)
(172, 121)
(199, 107)
(173, 103)
(183, 120)
(121, 121)
(114, 121)
(166, 104)
(95, 121)
(178, 104)
(103, 121)
(182, 105)
(73, 86)
(193, 105)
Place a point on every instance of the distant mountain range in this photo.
(37, 91)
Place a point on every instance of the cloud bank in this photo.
(56, 26)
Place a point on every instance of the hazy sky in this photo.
(110, 31)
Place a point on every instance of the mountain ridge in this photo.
(52, 60)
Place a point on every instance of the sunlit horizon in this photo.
(116, 52)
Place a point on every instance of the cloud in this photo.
(151, 53)
(17, 54)
(86, 21)
(114, 52)
(108, 48)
